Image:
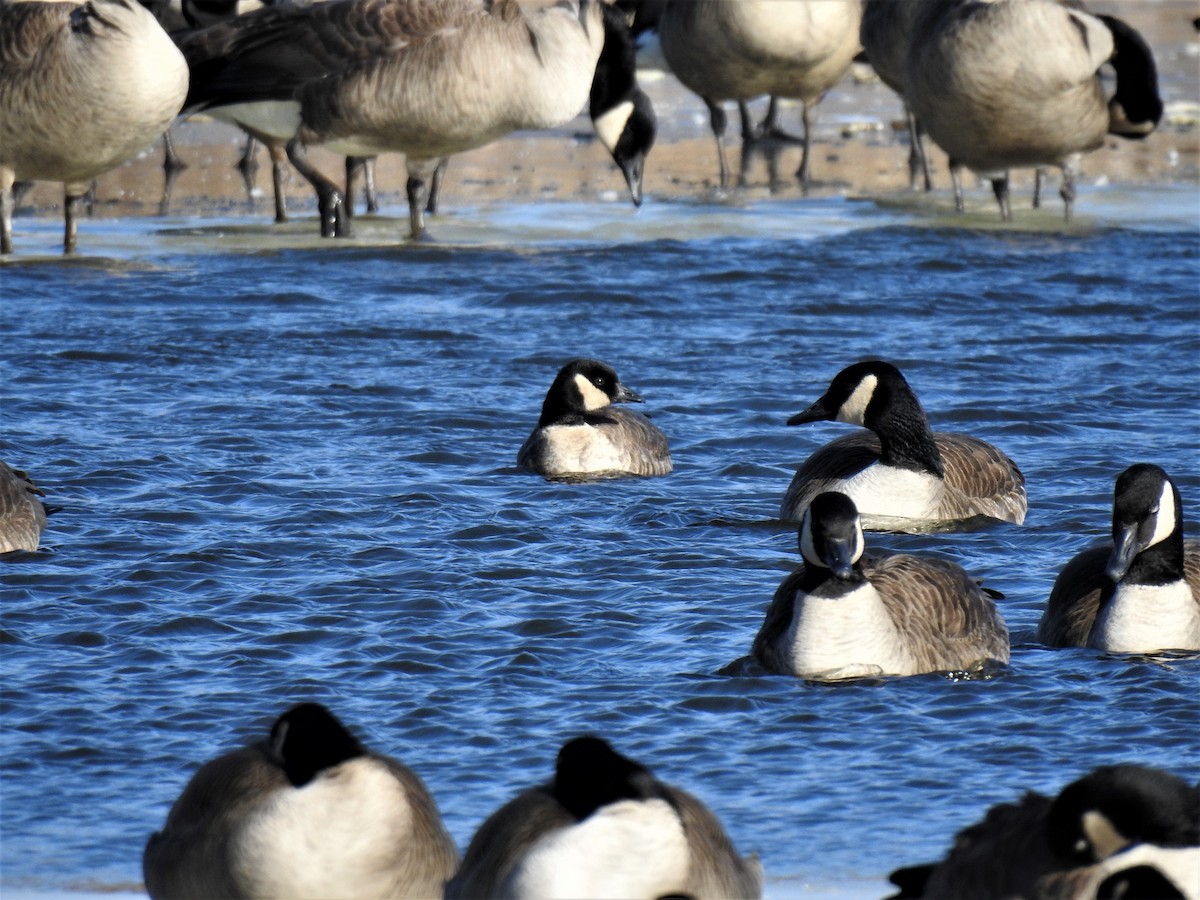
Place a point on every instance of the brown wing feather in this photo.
(22, 514)
(1075, 599)
(716, 869)
(980, 480)
(1191, 566)
(642, 441)
(778, 618)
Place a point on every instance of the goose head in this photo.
(584, 386)
(831, 535)
(1146, 511)
(308, 739)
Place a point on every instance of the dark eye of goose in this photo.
(599, 381)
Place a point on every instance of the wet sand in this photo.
(860, 149)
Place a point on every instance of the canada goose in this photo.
(429, 78)
(580, 432)
(309, 812)
(843, 615)
(1015, 83)
(82, 89)
(1141, 592)
(22, 514)
(604, 827)
(885, 34)
(741, 49)
(900, 474)
(1116, 818)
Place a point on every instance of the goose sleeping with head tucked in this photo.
(901, 475)
(1139, 594)
(604, 827)
(307, 813)
(581, 433)
(844, 615)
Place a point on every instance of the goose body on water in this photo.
(846, 615)
(1106, 833)
(428, 78)
(603, 827)
(581, 433)
(1141, 592)
(1015, 83)
(742, 49)
(22, 513)
(307, 813)
(83, 88)
(900, 474)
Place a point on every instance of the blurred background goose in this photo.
(22, 513)
(1116, 819)
(742, 49)
(309, 812)
(844, 615)
(1015, 83)
(83, 88)
(604, 827)
(580, 432)
(900, 474)
(1141, 592)
(429, 79)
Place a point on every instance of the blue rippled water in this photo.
(287, 472)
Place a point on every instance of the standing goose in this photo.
(1015, 83)
(22, 514)
(580, 432)
(428, 78)
(1109, 826)
(1139, 594)
(604, 827)
(83, 88)
(900, 474)
(845, 616)
(307, 813)
(742, 49)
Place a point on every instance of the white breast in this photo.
(580, 449)
(886, 491)
(1144, 618)
(846, 637)
(634, 848)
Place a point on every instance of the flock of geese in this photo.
(310, 812)
(998, 85)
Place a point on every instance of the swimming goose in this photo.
(307, 813)
(1140, 593)
(844, 615)
(22, 514)
(580, 432)
(742, 49)
(1013, 83)
(901, 475)
(82, 89)
(604, 827)
(1121, 818)
(429, 78)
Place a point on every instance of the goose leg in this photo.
(369, 185)
(918, 161)
(804, 172)
(7, 176)
(247, 164)
(1039, 177)
(717, 119)
(748, 131)
(279, 178)
(172, 166)
(330, 204)
(1067, 190)
(435, 186)
(1000, 189)
(72, 196)
(956, 179)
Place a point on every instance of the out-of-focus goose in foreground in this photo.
(1122, 824)
(845, 615)
(1140, 593)
(604, 827)
(22, 513)
(742, 49)
(307, 813)
(581, 433)
(901, 475)
(83, 88)
(1015, 83)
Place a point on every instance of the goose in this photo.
(1141, 592)
(22, 513)
(844, 615)
(580, 432)
(83, 88)
(1014, 83)
(901, 475)
(1116, 819)
(308, 813)
(741, 49)
(429, 78)
(603, 827)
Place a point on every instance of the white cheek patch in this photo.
(807, 550)
(593, 397)
(610, 125)
(1164, 519)
(854, 410)
(1105, 838)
